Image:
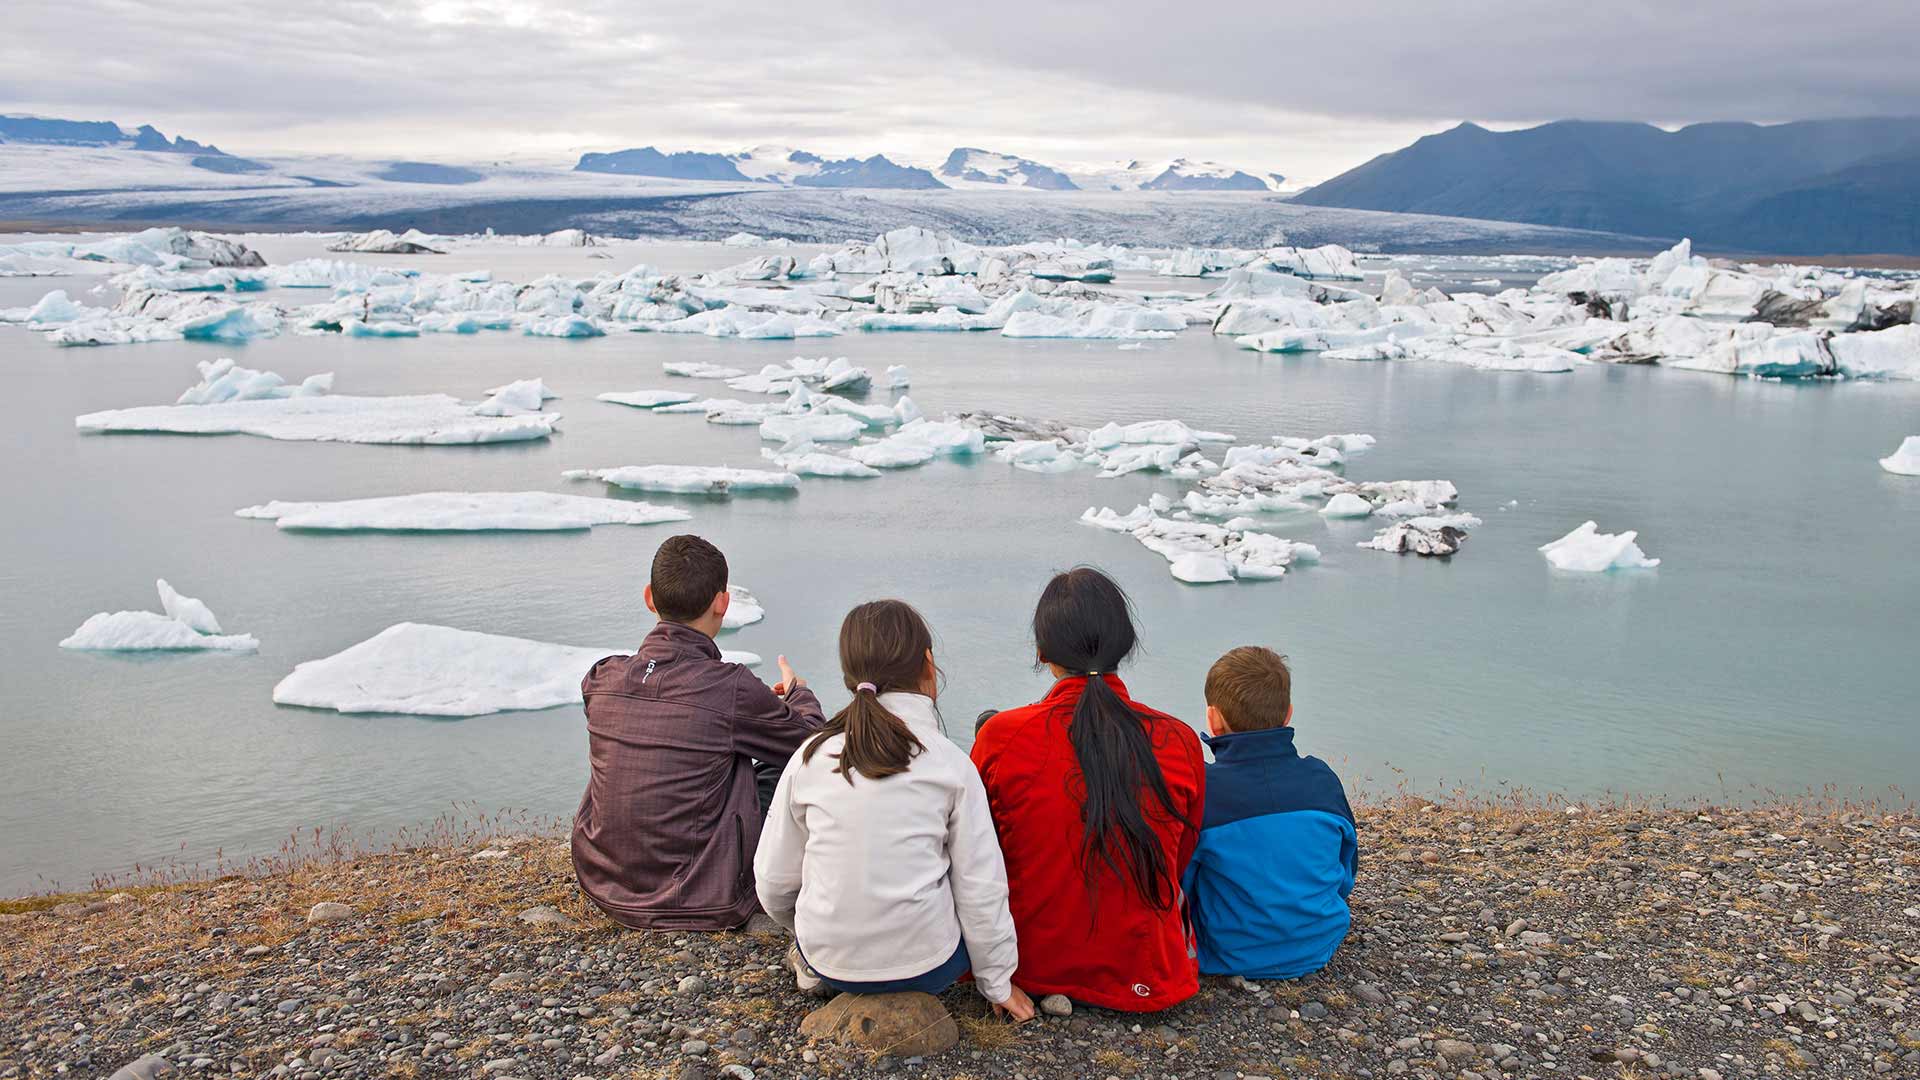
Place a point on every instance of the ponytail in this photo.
(1084, 625)
(884, 647)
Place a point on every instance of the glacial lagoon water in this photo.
(1771, 651)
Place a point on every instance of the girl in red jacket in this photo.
(1097, 800)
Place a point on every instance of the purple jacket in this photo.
(667, 829)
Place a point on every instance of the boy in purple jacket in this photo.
(665, 835)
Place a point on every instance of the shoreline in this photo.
(1498, 938)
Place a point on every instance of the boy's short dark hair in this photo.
(1251, 687)
(688, 573)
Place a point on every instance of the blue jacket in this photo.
(1268, 884)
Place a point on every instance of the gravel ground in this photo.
(1488, 941)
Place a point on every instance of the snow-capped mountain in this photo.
(780, 165)
(1179, 174)
(971, 167)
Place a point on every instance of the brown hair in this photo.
(688, 573)
(1251, 687)
(884, 645)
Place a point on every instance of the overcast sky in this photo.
(1305, 89)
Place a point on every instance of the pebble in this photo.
(1056, 1005)
(328, 911)
(545, 915)
(691, 986)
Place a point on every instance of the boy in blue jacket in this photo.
(1268, 885)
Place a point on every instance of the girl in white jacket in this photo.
(879, 851)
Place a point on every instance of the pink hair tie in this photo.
(868, 687)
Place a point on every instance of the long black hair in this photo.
(1084, 624)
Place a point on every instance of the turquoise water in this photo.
(1771, 651)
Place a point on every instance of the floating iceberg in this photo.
(194, 614)
(919, 442)
(53, 309)
(188, 625)
(221, 380)
(1906, 460)
(687, 479)
(1588, 550)
(1347, 505)
(464, 322)
(1105, 322)
(1199, 553)
(379, 328)
(463, 511)
(1432, 537)
(739, 322)
(898, 377)
(384, 242)
(812, 427)
(1893, 353)
(419, 420)
(802, 459)
(427, 670)
(646, 399)
(742, 609)
(515, 399)
(564, 326)
(694, 370)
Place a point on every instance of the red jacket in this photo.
(1118, 952)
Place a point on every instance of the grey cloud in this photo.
(1301, 88)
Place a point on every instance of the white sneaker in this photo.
(807, 980)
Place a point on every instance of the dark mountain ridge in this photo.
(1815, 186)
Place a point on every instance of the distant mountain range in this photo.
(1809, 187)
(46, 131)
(966, 167)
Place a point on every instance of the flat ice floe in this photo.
(646, 399)
(463, 511)
(418, 420)
(309, 414)
(427, 670)
(1905, 461)
(1588, 550)
(688, 479)
(187, 626)
(696, 370)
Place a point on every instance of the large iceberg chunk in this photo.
(222, 380)
(418, 420)
(515, 398)
(427, 670)
(188, 625)
(1588, 550)
(463, 511)
(1906, 460)
(1893, 353)
(687, 479)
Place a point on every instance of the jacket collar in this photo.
(1070, 688)
(668, 639)
(916, 709)
(1248, 745)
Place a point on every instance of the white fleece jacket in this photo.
(880, 879)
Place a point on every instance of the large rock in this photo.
(328, 911)
(145, 1067)
(902, 1025)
